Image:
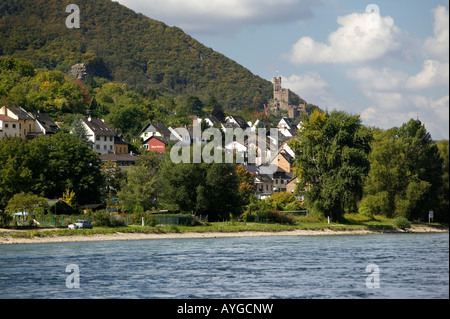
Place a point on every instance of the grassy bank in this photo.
(351, 222)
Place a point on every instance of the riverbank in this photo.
(7, 238)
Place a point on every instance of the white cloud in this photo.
(223, 16)
(438, 46)
(358, 40)
(313, 88)
(396, 96)
(393, 109)
(434, 74)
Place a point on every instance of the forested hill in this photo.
(125, 47)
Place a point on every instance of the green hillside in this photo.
(125, 47)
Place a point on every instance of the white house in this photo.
(287, 127)
(154, 129)
(9, 127)
(100, 135)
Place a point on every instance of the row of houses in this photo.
(272, 170)
(16, 122)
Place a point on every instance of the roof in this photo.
(46, 122)
(119, 139)
(263, 178)
(157, 127)
(118, 158)
(289, 122)
(159, 138)
(240, 121)
(20, 113)
(99, 127)
(5, 118)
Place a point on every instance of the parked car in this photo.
(81, 224)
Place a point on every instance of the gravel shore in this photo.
(8, 240)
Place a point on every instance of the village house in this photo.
(156, 144)
(121, 145)
(288, 127)
(181, 135)
(26, 122)
(264, 186)
(284, 161)
(44, 125)
(100, 135)
(154, 129)
(123, 161)
(235, 122)
(9, 127)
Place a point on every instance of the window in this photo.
(7, 125)
(14, 125)
(105, 138)
(105, 147)
(97, 146)
(111, 147)
(97, 138)
(111, 139)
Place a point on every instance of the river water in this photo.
(411, 266)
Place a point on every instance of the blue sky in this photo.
(336, 54)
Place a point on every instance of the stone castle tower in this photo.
(280, 95)
(281, 100)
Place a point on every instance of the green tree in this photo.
(79, 130)
(60, 162)
(139, 191)
(15, 175)
(405, 177)
(206, 189)
(114, 177)
(28, 203)
(443, 211)
(331, 161)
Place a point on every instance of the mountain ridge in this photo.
(126, 47)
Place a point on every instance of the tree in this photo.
(27, 203)
(60, 162)
(443, 211)
(15, 175)
(205, 189)
(331, 161)
(79, 130)
(139, 190)
(406, 173)
(114, 177)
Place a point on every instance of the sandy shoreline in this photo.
(8, 240)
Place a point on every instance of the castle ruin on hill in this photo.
(282, 102)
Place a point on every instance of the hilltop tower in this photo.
(280, 95)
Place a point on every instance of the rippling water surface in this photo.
(411, 266)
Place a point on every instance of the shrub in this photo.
(280, 217)
(402, 223)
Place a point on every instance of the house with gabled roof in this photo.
(154, 129)
(288, 127)
(44, 124)
(236, 122)
(9, 127)
(156, 144)
(26, 122)
(100, 135)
